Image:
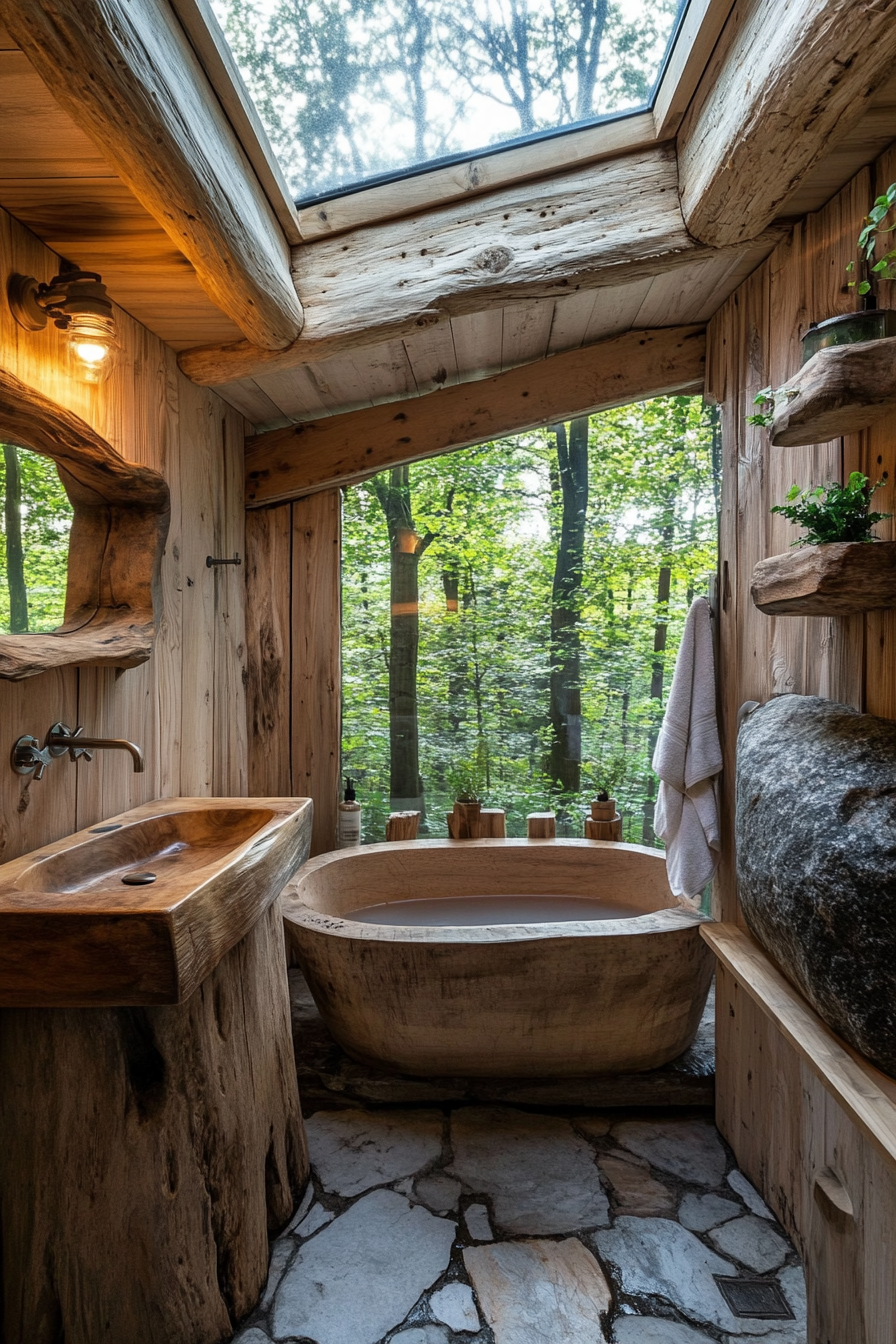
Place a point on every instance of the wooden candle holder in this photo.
(492, 823)
(402, 825)
(541, 826)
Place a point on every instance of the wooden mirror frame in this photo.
(120, 523)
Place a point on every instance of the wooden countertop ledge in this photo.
(73, 934)
(865, 1094)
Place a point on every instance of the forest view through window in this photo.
(351, 89)
(35, 522)
(512, 613)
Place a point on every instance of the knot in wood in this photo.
(493, 259)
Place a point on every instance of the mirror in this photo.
(35, 523)
(83, 531)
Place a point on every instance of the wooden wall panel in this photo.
(317, 658)
(753, 341)
(268, 579)
(186, 706)
(294, 655)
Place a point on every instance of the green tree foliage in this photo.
(351, 88)
(36, 520)
(492, 524)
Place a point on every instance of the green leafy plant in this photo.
(878, 224)
(833, 512)
(769, 397)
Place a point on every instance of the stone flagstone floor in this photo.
(489, 1225)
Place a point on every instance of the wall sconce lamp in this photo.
(78, 304)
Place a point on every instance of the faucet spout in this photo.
(61, 739)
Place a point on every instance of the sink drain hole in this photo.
(138, 879)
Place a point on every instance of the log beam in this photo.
(128, 76)
(787, 77)
(343, 449)
(605, 224)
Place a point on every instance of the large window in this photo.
(353, 89)
(511, 616)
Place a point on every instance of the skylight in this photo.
(352, 91)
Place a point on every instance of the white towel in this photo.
(688, 757)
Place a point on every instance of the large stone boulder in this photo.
(816, 859)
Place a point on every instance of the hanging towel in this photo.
(688, 757)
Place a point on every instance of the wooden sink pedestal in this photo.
(148, 1154)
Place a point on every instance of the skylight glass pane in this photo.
(352, 89)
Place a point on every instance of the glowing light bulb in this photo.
(91, 352)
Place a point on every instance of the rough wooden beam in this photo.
(841, 390)
(342, 449)
(129, 77)
(787, 76)
(606, 224)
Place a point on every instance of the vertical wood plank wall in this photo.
(754, 342)
(295, 692)
(186, 706)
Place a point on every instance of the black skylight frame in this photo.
(491, 151)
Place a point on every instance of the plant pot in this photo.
(872, 324)
(837, 579)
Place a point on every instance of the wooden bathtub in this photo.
(520, 1001)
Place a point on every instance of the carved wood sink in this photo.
(138, 910)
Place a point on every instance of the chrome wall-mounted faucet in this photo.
(29, 758)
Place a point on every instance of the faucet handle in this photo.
(61, 739)
(28, 758)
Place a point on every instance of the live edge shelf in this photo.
(838, 579)
(841, 390)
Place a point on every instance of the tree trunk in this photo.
(406, 548)
(565, 759)
(148, 1155)
(15, 553)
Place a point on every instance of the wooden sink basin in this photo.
(141, 908)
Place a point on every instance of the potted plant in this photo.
(467, 783)
(870, 323)
(838, 567)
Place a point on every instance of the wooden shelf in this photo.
(867, 1095)
(838, 579)
(841, 390)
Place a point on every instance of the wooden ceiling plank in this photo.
(432, 358)
(615, 310)
(289, 463)
(475, 176)
(525, 332)
(536, 241)
(127, 75)
(570, 321)
(786, 77)
(700, 30)
(477, 343)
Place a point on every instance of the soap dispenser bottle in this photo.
(348, 822)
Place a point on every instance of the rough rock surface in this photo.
(656, 1330)
(540, 1292)
(354, 1150)
(753, 1200)
(361, 1275)
(689, 1149)
(540, 1174)
(816, 859)
(454, 1305)
(698, 1213)
(635, 1189)
(751, 1241)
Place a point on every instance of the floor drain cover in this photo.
(138, 879)
(760, 1298)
